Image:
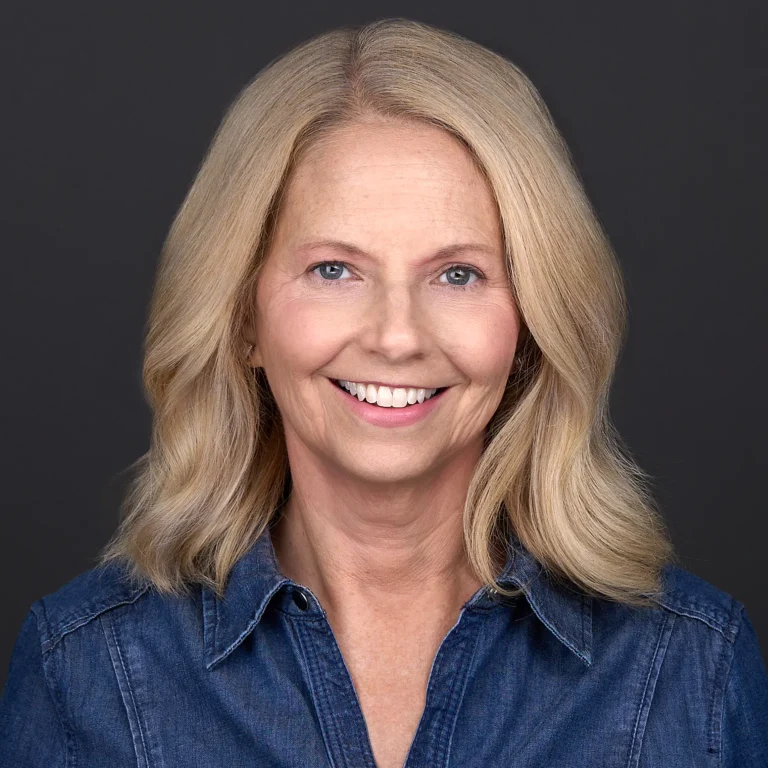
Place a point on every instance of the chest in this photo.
(504, 690)
(392, 700)
(391, 685)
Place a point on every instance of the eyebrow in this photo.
(445, 252)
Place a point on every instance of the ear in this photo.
(251, 351)
(254, 358)
(250, 345)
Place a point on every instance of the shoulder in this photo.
(713, 669)
(693, 598)
(82, 599)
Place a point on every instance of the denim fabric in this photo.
(105, 675)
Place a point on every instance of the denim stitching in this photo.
(363, 741)
(723, 669)
(459, 679)
(136, 717)
(47, 657)
(304, 661)
(694, 610)
(645, 701)
(468, 668)
(321, 690)
(317, 682)
(79, 621)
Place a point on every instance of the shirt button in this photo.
(300, 599)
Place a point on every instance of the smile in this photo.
(388, 397)
(382, 407)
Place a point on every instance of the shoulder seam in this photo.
(80, 620)
(728, 629)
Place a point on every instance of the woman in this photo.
(384, 519)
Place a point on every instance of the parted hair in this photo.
(553, 470)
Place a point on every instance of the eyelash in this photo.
(467, 287)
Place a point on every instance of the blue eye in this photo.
(334, 268)
(466, 270)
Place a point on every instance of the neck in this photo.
(389, 562)
(391, 553)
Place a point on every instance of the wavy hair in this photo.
(553, 471)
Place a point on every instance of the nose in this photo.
(394, 324)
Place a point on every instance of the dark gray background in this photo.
(109, 108)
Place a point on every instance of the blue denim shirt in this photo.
(105, 675)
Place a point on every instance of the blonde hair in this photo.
(553, 471)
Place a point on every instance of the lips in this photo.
(388, 417)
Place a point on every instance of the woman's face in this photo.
(390, 308)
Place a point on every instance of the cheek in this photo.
(481, 339)
(299, 335)
(295, 342)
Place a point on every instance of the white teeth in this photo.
(386, 397)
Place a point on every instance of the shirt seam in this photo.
(319, 695)
(725, 629)
(133, 712)
(48, 662)
(720, 685)
(665, 630)
(54, 638)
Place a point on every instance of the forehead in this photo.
(388, 179)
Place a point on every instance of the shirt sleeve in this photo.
(745, 708)
(31, 732)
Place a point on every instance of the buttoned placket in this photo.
(336, 702)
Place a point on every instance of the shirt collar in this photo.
(564, 610)
(256, 577)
